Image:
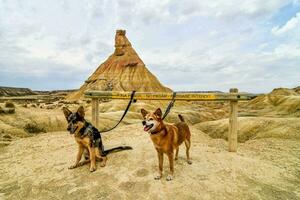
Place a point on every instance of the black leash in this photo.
(171, 104)
(124, 114)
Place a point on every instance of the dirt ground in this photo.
(37, 168)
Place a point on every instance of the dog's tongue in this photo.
(146, 128)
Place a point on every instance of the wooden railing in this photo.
(233, 97)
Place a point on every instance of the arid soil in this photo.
(37, 168)
(35, 149)
(266, 166)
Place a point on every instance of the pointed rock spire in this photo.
(122, 71)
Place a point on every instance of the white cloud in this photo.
(290, 25)
(188, 45)
(230, 9)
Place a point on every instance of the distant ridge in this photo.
(200, 91)
(6, 91)
(54, 91)
(15, 91)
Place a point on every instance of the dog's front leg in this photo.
(100, 157)
(78, 158)
(92, 158)
(171, 163)
(176, 155)
(160, 166)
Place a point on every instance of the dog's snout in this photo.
(144, 122)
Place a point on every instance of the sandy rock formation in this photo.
(122, 71)
(281, 101)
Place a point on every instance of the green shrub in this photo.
(9, 104)
(33, 127)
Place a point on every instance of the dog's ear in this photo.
(144, 112)
(67, 112)
(158, 112)
(81, 112)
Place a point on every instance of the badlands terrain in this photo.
(36, 149)
(34, 161)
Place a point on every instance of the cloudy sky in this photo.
(189, 45)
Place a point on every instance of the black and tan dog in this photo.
(88, 139)
(166, 138)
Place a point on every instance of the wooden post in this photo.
(233, 123)
(95, 111)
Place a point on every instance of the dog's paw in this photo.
(169, 178)
(189, 162)
(157, 177)
(102, 164)
(73, 166)
(92, 169)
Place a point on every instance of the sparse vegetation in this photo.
(10, 110)
(33, 105)
(51, 106)
(1, 110)
(34, 128)
(7, 110)
(9, 104)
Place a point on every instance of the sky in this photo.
(253, 45)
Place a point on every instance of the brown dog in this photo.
(88, 139)
(166, 138)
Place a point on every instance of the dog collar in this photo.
(163, 128)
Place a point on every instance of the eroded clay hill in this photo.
(13, 91)
(280, 102)
(122, 71)
(273, 115)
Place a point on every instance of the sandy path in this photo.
(36, 168)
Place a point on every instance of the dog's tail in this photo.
(181, 118)
(117, 149)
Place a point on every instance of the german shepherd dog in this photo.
(88, 139)
(166, 138)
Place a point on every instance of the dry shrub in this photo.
(1, 110)
(9, 104)
(7, 110)
(51, 106)
(33, 127)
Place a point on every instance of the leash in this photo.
(124, 114)
(171, 104)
